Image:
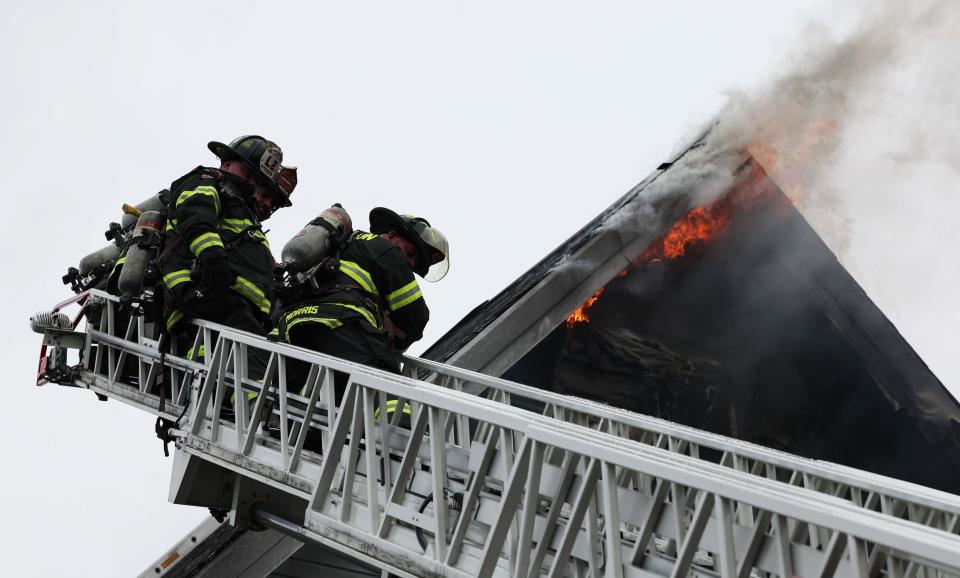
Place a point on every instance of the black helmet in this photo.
(261, 157)
(433, 251)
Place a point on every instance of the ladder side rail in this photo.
(514, 425)
(460, 375)
(657, 425)
(743, 487)
(803, 557)
(125, 394)
(519, 428)
(238, 443)
(262, 464)
(288, 351)
(704, 474)
(91, 373)
(834, 515)
(210, 425)
(135, 341)
(132, 343)
(863, 481)
(142, 351)
(915, 494)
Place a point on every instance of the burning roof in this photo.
(736, 318)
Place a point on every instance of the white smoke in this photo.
(852, 123)
(855, 128)
(857, 122)
(862, 131)
(865, 134)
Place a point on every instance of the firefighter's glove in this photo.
(216, 278)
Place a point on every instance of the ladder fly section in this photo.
(874, 492)
(425, 480)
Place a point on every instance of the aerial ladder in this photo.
(447, 472)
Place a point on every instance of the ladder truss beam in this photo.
(457, 481)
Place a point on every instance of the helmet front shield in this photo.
(437, 249)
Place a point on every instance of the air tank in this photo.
(99, 257)
(143, 245)
(154, 203)
(314, 241)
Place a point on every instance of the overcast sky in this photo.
(507, 124)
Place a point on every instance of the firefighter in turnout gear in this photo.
(372, 308)
(216, 263)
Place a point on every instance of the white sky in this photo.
(507, 124)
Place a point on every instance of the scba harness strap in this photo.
(371, 306)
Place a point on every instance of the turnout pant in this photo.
(350, 342)
(234, 311)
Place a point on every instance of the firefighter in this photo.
(372, 308)
(216, 263)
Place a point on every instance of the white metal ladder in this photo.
(468, 484)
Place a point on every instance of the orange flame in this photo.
(580, 314)
(788, 160)
(698, 226)
(701, 225)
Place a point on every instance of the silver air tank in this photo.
(154, 203)
(100, 257)
(143, 245)
(314, 242)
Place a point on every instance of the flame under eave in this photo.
(698, 228)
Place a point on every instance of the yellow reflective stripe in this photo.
(173, 319)
(240, 225)
(392, 407)
(203, 242)
(328, 321)
(117, 264)
(366, 314)
(236, 225)
(175, 278)
(358, 274)
(205, 190)
(404, 296)
(250, 396)
(253, 293)
(200, 352)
